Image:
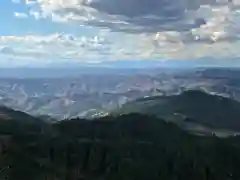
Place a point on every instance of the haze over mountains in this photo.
(91, 92)
(132, 64)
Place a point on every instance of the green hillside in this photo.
(196, 106)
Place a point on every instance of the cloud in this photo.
(16, 1)
(30, 2)
(144, 15)
(36, 50)
(20, 15)
(153, 29)
(60, 47)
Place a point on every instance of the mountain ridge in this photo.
(210, 110)
(7, 113)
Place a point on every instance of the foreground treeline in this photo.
(130, 147)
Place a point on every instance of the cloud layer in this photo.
(136, 29)
(60, 47)
(136, 15)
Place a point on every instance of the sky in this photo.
(42, 32)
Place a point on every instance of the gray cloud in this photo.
(137, 16)
(166, 28)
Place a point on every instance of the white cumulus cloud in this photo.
(153, 28)
(60, 47)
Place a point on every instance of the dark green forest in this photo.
(209, 110)
(127, 147)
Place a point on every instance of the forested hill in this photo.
(11, 114)
(202, 108)
(128, 147)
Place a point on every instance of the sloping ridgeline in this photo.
(127, 147)
(195, 106)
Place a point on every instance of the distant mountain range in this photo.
(170, 63)
(193, 110)
(146, 63)
(90, 92)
